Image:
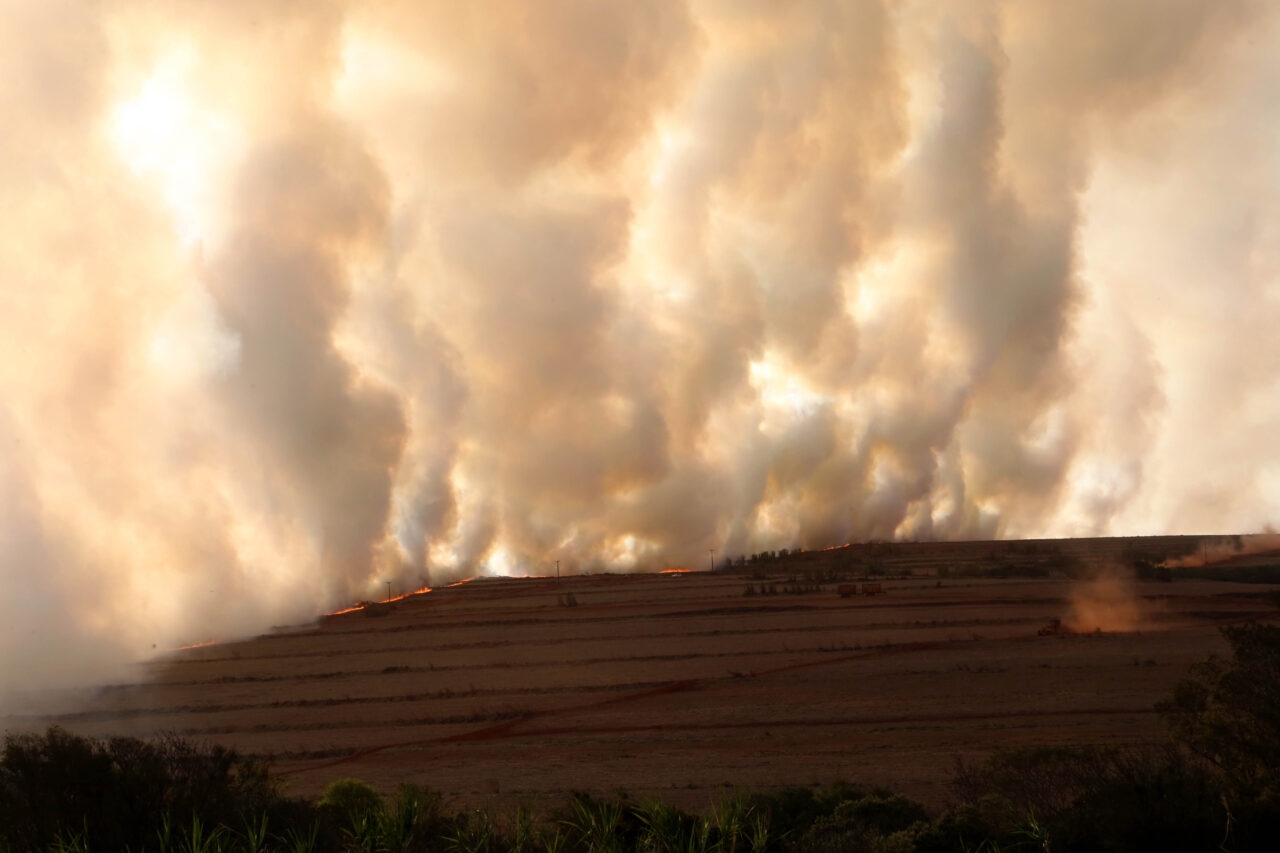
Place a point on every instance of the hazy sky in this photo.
(300, 297)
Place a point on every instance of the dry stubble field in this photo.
(494, 691)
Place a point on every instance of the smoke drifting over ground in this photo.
(1224, 552)
(303, 297)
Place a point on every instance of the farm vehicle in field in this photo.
(1054, 628)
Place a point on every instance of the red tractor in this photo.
(1054, 628)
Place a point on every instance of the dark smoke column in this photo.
(324, 441)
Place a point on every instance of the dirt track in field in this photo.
(679, 686)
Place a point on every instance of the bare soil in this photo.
(496, 691)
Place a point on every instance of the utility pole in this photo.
(712, 551)
(557, 568)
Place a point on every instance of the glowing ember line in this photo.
(361, 605)
(200, 645)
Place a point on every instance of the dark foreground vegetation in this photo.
(1214, 786)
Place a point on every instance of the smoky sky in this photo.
(301, 298)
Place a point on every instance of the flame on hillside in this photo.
(410, 290)
(199, 645)
(361, 605)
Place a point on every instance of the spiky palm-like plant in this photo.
(596, 823)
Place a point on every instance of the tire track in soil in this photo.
(396, 698)
(958, 717)
(507, 728)
(591, 638)
(506, 664)
(494, 731)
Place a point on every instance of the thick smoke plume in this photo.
(301, 298)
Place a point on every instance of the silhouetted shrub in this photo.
(117, 792)
(351, 801)
(878, 821)
(1228, 714)
(1094, 799)
(1228, 711)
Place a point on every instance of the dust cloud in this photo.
(302, 298)
(1106, 602)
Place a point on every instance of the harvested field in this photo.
(677, 685)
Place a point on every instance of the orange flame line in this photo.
(353, 608)
(199, 645)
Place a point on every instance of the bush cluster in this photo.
(124, 793)
(1043, 799)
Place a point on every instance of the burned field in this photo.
(679, 685)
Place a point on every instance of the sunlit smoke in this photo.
(300, 299)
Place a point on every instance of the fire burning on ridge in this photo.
(302, 301)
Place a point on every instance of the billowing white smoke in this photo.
(299, 298)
